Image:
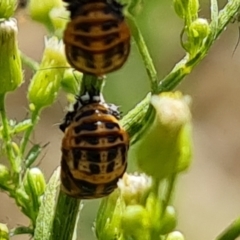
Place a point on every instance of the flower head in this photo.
(165, 146)
(45, 84)
(10, 63)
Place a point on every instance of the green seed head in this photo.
(40, 11)
(199, 29)
(136, 223)
(7, 8)
(194, 8)
(10, 63)
(58, 17)
(34, 183)
(169, 220)
(45, 84)
(186, 9)
(181, 7)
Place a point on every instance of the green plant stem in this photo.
(133, 121)
(232, 232)
(91, 83)
(67, 212)
(29, 62)
(25, 139)
(148, 63)
(6, 137)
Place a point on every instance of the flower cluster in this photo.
(141, 208)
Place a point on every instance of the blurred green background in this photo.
(207, 197)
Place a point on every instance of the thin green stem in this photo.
(67, 212)
(169, 193)
(231, 232)
(133, 122)
(25, 139)
(29, 62)
(15, 167)
(151, 71)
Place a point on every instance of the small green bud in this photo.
(161, 148)
(181, 7)
(4, 177)
(169, 220)
(4, 233)
(45, 84)
(25, 202)
(154, 208)
(10, 62)
(194, 8)
(186, 9)
(176, 235)
(71, 81)
(40, 11)
(136, 223)
(197, 32)
(199, 29)
(29, 195)
(34, 182)
(58, 17)
(7, 8)
(22, 199)
(16, 150)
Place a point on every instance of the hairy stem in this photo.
(67, 212)
(15, 165)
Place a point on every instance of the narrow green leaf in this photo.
(33, 154)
